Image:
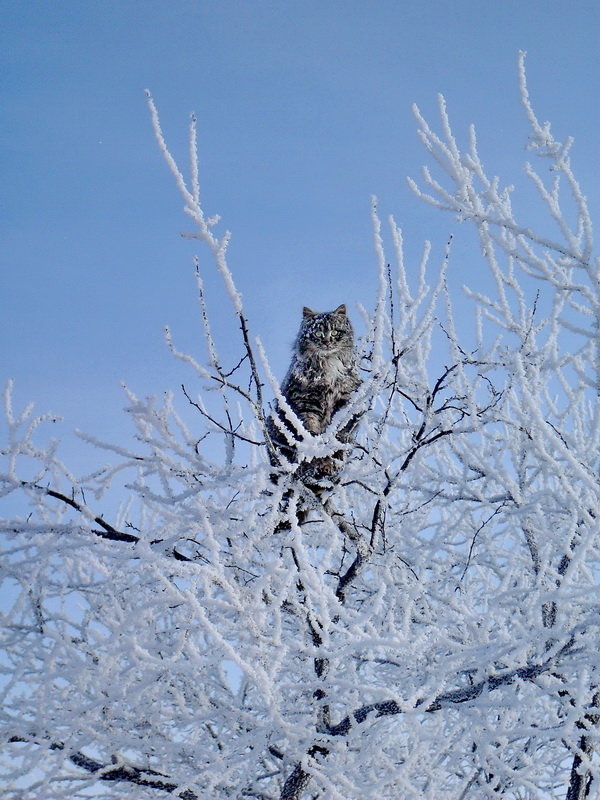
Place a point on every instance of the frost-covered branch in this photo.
(200, 618)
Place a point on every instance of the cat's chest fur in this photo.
(324, 371)
(329, 371)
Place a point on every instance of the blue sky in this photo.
(304, 111)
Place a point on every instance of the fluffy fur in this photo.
(322, 376)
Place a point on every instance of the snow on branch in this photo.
(422, 623)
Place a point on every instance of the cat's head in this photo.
(326, 331)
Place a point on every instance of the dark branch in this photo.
(118, 772)
(447, 699)
(229, 431)
(106, 530)
(580, 782)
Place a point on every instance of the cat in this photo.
(322, 376)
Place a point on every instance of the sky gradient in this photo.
(304, 112)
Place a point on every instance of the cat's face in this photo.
(328, 332)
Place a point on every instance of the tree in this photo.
(425, 625)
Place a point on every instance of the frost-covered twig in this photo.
(424, 623)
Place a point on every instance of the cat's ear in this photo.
(308, 312)
(340, 310)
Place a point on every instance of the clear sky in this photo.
(304, 110)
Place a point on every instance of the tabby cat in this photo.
(322, 376)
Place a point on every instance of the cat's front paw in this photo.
(312, 423)
(322, 468)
